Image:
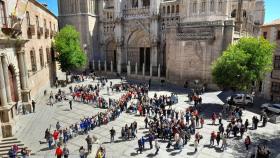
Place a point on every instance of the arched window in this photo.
(244, 14)
(212, 6)
(203, 6)
(220, 5)
(48, 55)
(163, 9)
(194, 7)
(168, 9)
(233, 13)
(177, 9)
(134, 3)
(33, 60)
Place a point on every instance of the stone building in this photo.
(271, 86)
(26, 66)
(174, 39)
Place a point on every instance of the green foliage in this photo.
(242, 63)
(70, 54)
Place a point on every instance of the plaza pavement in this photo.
(31, 128)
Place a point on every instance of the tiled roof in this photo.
(274, 22)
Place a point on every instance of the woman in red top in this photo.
(58, 152)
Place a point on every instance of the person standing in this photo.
(157, 146)
(70, 104)
(65, 151)
(82, 152)
(247, 142)
(33, 105)
(195, 145)
(89, 143)
(55, 137)
(224, 142)
(201, 121)
(112, 133)
(58, 152)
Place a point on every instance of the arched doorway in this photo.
(138, 49)
(13, 85)
(111, 54)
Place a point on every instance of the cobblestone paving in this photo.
(31, 127)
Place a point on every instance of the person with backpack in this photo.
(247, 142)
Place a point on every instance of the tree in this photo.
(70, 55)
(243, 63)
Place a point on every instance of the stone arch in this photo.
(168, 9)
(163, 10)
(138, 48)
(177, 8)
(233, 13)
(173, 9)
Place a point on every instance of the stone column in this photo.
(99, 65)
(112, 69)
(159, 71)
(3, 93)
(25, 92)
(136, 69)
(151, 70)
(105, 66)
(143, 69)
(128, 69)
(6, 78)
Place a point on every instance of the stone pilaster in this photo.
(159, 71)
(112, 69)
(3, 93)
(128, 69)
(136, 69)
(99, 65)
(105, 66)
(151, 71)
(93, 65)
(6, 78)
(143, 69)
(25, 91)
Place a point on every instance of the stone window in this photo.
(37, 22)
(203, 6)
(233, 13)
(168, 9)
(194, 7)
(134, 3)
(220, 5)
(212, 6)
(45, 24)
(277, 62)
(163, 10)
(27, 18)
(173, 9)
(278, 35)
(177, 9)
(265, 35)
(33, 60)
(146, 3)
(275, 87)
(2, 13)
(48, 55)
(41, 58)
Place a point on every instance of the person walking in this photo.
(65, 151)
(33, 105)
(247, 142)
(58, 152)
(218, 138)
(112, 133)
(89, 143)
(157, 146)
(201, 121)
(55, 137)
(212, 138)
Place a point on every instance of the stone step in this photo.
(9, 142)
(8, 139)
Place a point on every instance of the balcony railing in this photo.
(136, 12)
(40, 30)
(47, 33)
(11, 26)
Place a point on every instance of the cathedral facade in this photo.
(174, 39)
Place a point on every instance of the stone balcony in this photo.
(11, 26)
(136, 12)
